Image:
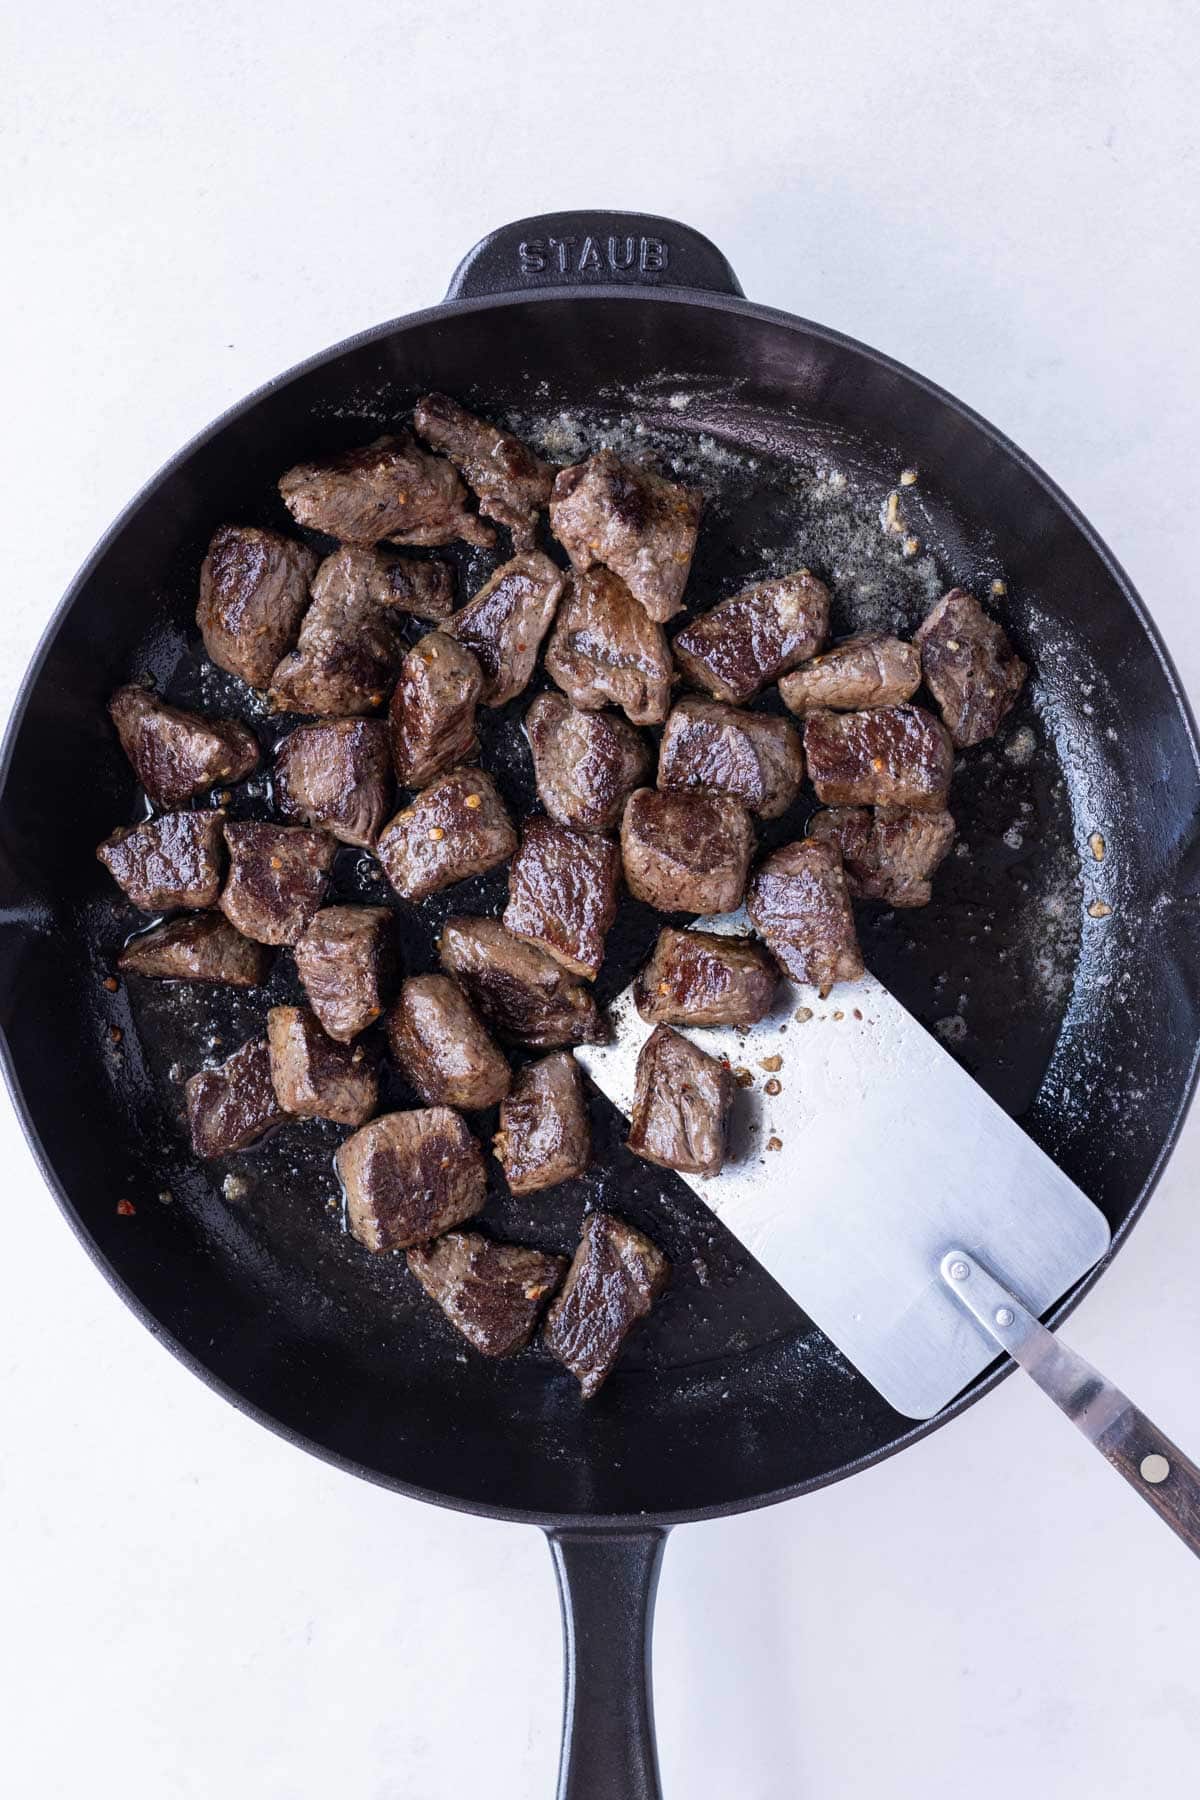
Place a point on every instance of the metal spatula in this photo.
(906, 1213)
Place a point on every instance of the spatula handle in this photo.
(1155, 1467)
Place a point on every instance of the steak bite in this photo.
(637, 524)
(277, 878)
(199, 947)
(686, 852)
(176, 754)
(739, 646)
(892, 756)
(391, 489)
(800, 903)
(586, 764)
(506, 621)
(681, 1102)
(545, 1134)
(232, 1106)
(562, 894)
(432, 710)
(969, 666)
(510, 482)
(442, 1048)
(456, 828)
(337, 775)
(870, 670)
(710, 748)
(888, 854)
(253, 592)
(409, 1176)
(615, 1277)
(706, 978)
(521, 992)
(492, 1293)
(314, 1077)
(349, 648)
(605, 648)
(347, 961)
(168, 862)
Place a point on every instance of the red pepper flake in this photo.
(111, 983)
(126, 1208)
(115, 1033)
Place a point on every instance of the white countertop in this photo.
(1007, 199)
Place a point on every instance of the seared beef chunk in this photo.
(253, 592)
(337, 775)
(736, 648)
(545, 1134)
(230, 1107)
(349, 648)
(432, 709)
(709, 748)
(177, 754)
(706, 978)
(314, 1077)
(871, 670)
(409, 1176)
(888, 854)
(457, 827)
(506, 621)
(389, 489)
(970, 667)
(277, 879)
(615, 1277)
(605, 647)
(586, 764)
(201, 947)
(686, 852)
(442, 1047)
(521, 992)
(348, 964)
(492, 1293)
(562, 893)
(892, 756)
(799, 901)
(172, 861)
(510, 481)
(637, 524)
(681, 1102)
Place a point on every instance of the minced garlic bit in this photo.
(911, 545)
(436, 834)
(1099, 909)
(773, 1087)
(1097, 846)
(802, 1015)
(999, 587)
(839, 1015)
(774, 1143)
(892, 519)
(770, 1063)
(908, 478)
(474, 801)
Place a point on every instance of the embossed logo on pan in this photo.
(613, 255)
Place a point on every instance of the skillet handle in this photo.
(606, 1583)
(591, 249)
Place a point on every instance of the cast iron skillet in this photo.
(1084, 1027)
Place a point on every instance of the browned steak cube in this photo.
(314, 1077)
(521, 992)
(200, 947)
(586, 763)
(457, 827)
(349, 648)
(348, 963)
(409, 1176)
(686, 852)
(970, 667)
(562, 894)
(710, 748)
(233, 1106)
(510, 481)
(545, 1134)
(506, 621)
(800, 903)
(442, 1047)
(681, 1102)
(615, 1278)
(888, 854)
(706, 978)
(606, 648)
(492, 1293)
(253, 592)
(736, 648)
(891, 756)
(870, 670)
(277, 878)
(637, 524)
(176, 754)
(391, 489)
(337, 775)
(432, 709)
(173, 861)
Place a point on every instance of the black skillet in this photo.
(1086, 1028)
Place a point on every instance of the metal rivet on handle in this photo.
(1005, 1315)
(959, 1270)
(1154, 1469)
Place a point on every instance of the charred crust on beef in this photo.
(389, 489)
(505, 622)
(888, 854)
(199, 947)
(686, 852)
(348, 964)
(586, 764)
(432, 710)
(349, 648)
(562, 894)
(681, 1104)
(277, 878)
(492, 1293)
(872, 669)
(615, 1277)
(605, 649)
(169, 862)
(545, 1135)
(410, 1176)
(456, 828)
(177, 754)
(337, 775)
(253, 594)
(509, 481)
(232, 1106)
(890, 756)
(314, 1077)
(634, 522)
(970, 667)
(706, 978)
(520, 991)
(711, 748)
(442, 1047)
(800, 903)
(754, 637)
